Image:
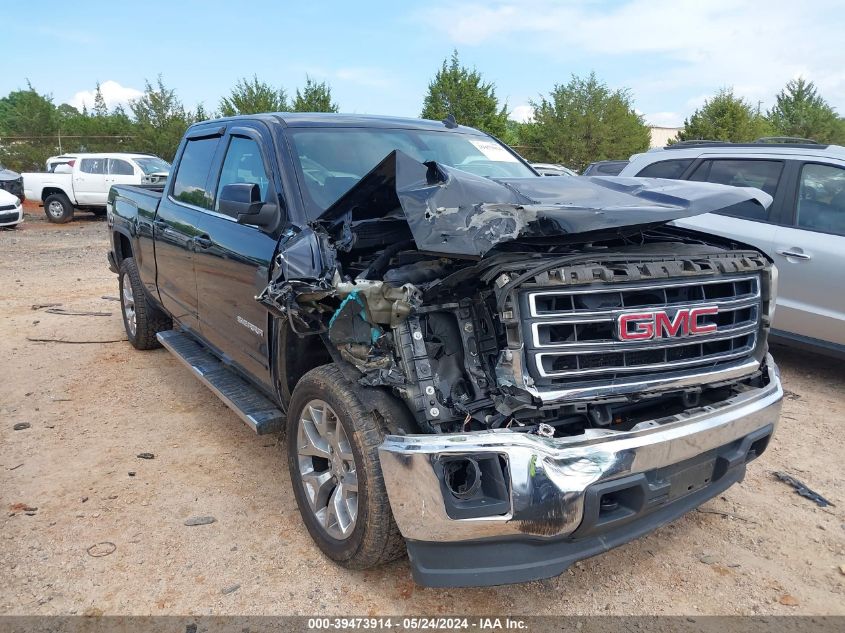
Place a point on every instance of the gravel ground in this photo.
(82, 534)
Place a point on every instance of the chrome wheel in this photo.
(128, 303)
(56, 209)
(327, 469)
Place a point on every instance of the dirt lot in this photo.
(92, 408)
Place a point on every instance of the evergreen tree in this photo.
(314, 97)
(160, 120)
(100, 108)
(584, 121)
(800, 111)
(463, 93)
(252, 97)
(726, 117)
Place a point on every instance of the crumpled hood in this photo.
(8, 174)
(454, 212)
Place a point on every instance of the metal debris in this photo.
(76, 312)
(61, 340)
(98, 550)
(802, 489)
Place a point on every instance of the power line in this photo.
(54, 137)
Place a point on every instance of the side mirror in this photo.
(240, 198)
(243, 201)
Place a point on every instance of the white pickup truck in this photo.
(83, 182)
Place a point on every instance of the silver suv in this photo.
(803, 231)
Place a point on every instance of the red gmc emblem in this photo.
(643, 326)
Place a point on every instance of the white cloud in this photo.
(522, 113)
(367, 76)
(664, 119)
(705, 45)
(363, 76)
(113, 94)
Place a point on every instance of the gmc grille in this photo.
(573, 334)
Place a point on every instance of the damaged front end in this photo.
(579, 372)
(418, 278)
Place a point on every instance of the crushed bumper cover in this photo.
(569, 498)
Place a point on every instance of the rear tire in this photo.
(142, 319)
(332, 445)
(58, 208)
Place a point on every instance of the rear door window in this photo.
(190, 183)
(93, 165)
(821, 199)
(666, 168)
(762, 174)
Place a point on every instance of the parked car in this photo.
(803, 231)
(11, 209)
(82, 181)
(12, 182)
(509, 395)
(552, 169)
(605, 168)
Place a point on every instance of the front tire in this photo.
(58, 208)
(332, 443)
(142, 319)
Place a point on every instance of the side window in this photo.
(763, 174)
(118, 167)
(821, 199)
(189, 185)
(93, 165)
(243, 163)
(666, 169)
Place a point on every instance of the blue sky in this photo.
(379, 56)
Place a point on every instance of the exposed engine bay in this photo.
(497, 304)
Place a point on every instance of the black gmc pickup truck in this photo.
(499, 372)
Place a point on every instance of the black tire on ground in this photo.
(374, 539)
(137, 309)
(58, 208)
(100, 213)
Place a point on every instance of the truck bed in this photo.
(144, 197)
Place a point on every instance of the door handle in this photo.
(787, 252)
(161, 225)
(203, 241)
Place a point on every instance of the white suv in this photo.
(803, 231)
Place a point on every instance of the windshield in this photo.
(152, 165)
(333, 160)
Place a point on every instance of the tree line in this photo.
(576, 123)
(33, 128)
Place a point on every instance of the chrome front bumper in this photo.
(549, 479)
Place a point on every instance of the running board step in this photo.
(253, 407)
